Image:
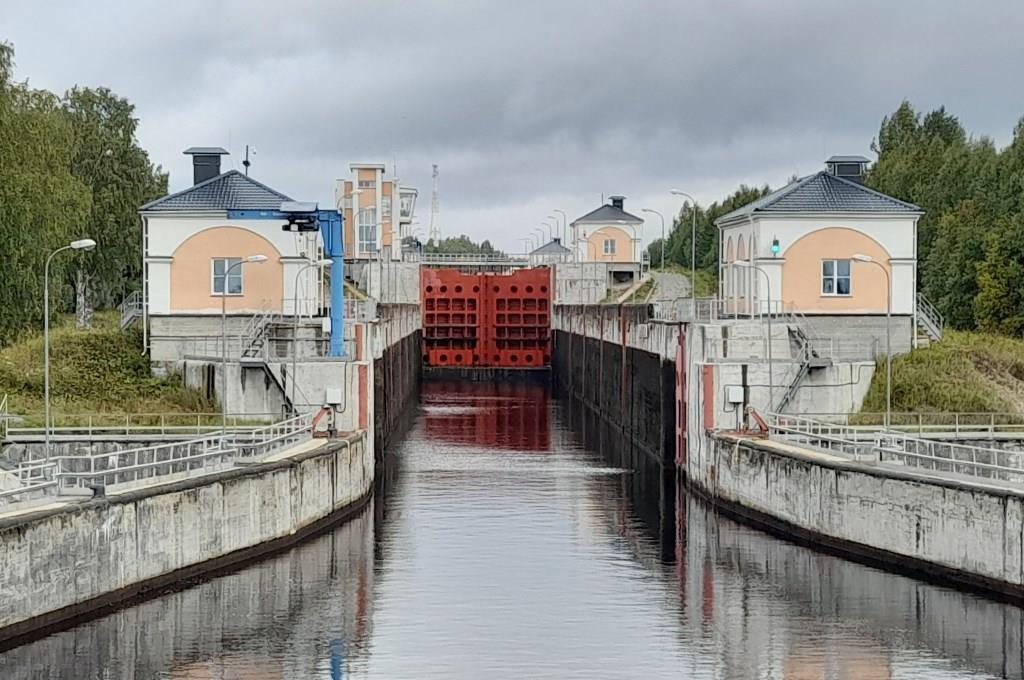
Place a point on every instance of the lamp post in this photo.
(543, 235)
(224, 341)
(527, 243)
(565, 225)
(693, 241)
(768, 290)
(648, 210)
(80, 244)
(888, 334)
(295, 327)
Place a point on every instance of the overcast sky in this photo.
(527, 105)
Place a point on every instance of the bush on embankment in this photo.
(965, 372)
(97, 370)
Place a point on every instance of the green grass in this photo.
(97, 370)
(705, 281)
(965, 372)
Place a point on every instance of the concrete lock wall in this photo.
(396, 371)
(62, 562)
(626, 386)
(957, 530)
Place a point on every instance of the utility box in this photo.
(734, 394)
(325, 324)
(332, 396)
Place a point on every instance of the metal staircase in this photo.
(807, 356)
(131, 309)
(254, 335)
(930, 322)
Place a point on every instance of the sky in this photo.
(526, 105)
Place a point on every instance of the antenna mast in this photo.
(435, 208)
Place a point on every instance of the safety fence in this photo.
(102, 470)
(93, 425)
(959, 425)
(893, 447)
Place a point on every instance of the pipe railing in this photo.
(143, 463)
(929, 455)
(144, 424)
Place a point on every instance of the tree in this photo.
(951, 278)
(1000, 300)
(109, 160)
(42, 204)
(461, 244)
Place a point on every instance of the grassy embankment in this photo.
(967, 372)
(705, 280)
(98, 370)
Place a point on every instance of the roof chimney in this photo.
(617, 201)
(852, 168)
(205, 162)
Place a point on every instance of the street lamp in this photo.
(224, 341)
(543, 235)
(80, 244)
(527, 243)
(768, 290)
(693, 241)
(565, 225)
(888, 334)
(295, 328)
(648, 210)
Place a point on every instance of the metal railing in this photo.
(144, 424)
(4, 417)
(143, 463)
(930, 317)
(33, 478)
(936, 423)
(928, 455)
(130, 308)
(756, 348)
(516, 259)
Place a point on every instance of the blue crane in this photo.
(307, 217)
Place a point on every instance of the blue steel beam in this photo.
(329, 222)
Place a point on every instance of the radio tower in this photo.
(435, 208)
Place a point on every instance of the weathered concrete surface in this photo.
(626, 384)
(62, 562)
(326, 579)
(965, 532)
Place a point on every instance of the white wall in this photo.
(166, 233)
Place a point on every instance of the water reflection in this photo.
(517, 537)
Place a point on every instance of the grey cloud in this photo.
(528, 105)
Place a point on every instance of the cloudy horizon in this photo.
(529, 106)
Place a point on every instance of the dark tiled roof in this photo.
(551, 247)
(230, 191)
(823, 193)
(608, 213)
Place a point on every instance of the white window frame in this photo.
(366, 184)
(605, 246)
(367, 244)
(234, 274)
(835, 277)
(385, 206)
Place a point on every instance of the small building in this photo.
(827, 245)
(608, 234)
(193, 241)
(375, 227)
(550, 253)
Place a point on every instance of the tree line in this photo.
(70, 167)
(970, 238)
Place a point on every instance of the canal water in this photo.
(501, 547)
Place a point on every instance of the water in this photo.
(501, 548)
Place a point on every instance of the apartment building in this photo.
(378, 212)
